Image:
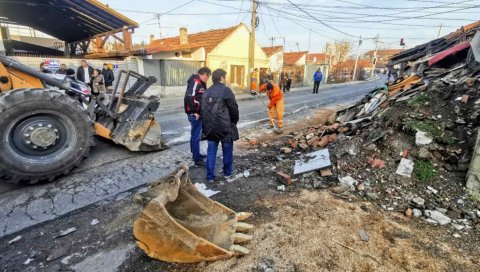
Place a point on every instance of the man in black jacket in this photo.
(220, 117)
(108, 77)
(84, 73)
(196, 86)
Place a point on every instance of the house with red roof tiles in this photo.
(174, 59)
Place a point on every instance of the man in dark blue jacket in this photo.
(317, 78)
(196, 86)
(220, 117)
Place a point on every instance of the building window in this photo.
(237, 74)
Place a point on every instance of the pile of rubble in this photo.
(408, 145)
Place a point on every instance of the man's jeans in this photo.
(315, 86)
(195, 137)
(227, 150)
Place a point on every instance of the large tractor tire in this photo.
(44, 134)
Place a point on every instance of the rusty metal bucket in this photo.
(180, 224)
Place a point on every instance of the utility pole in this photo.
(440, 30)
(356, 58)
(251, 51)
(272, 39)
(374, 61)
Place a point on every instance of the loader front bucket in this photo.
(179, 224)
(137, 128)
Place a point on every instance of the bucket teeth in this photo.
(241, 216)
(239, 238)
(240, 226)
(239, 250)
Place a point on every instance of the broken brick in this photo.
(294, 144)
(284, 178)
(377, 163)
(313, 141)
(303, 146)
(465, 98)
(335, 126)
(332, 137)
(286, 150)
(404, 154)
(409, 213)
(323, 141)
(253, 142)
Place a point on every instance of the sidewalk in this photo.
(175, 103)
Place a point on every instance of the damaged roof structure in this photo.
(77, 23)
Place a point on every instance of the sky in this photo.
(307, 25)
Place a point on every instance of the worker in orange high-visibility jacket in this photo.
(276, 105)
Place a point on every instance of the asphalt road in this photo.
(112, 170)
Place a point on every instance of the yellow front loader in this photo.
(47, 122)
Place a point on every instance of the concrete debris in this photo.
(348, 180)
(431, 189)
(456, 235)
(457, 226)
(66, 232)
(246, 173)
(405, 168)
(372, 196)
(363, 235)
(16, 239)
(29, 260)
(286, 150)
(94, 222)
(422, 138)
(417, 213)
(265, 265)
(438, 217)
(418, 201)
(312, 161)
(281, 188)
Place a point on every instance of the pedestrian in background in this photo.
(84, 73)
(220, 117)
(43, 69)
(276, 105)
(109, 77)
(98, 82)
(288, 83)
(196, 86)
(317, 78)
(62, 70)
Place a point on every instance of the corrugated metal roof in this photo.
(67, 20)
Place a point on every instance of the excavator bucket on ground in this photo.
(180, 224)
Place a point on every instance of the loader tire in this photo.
(44, 134)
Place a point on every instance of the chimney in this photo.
(152, 38)
(183, 35)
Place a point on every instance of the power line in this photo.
(238, 17)
(331, 27)
(158, 15)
